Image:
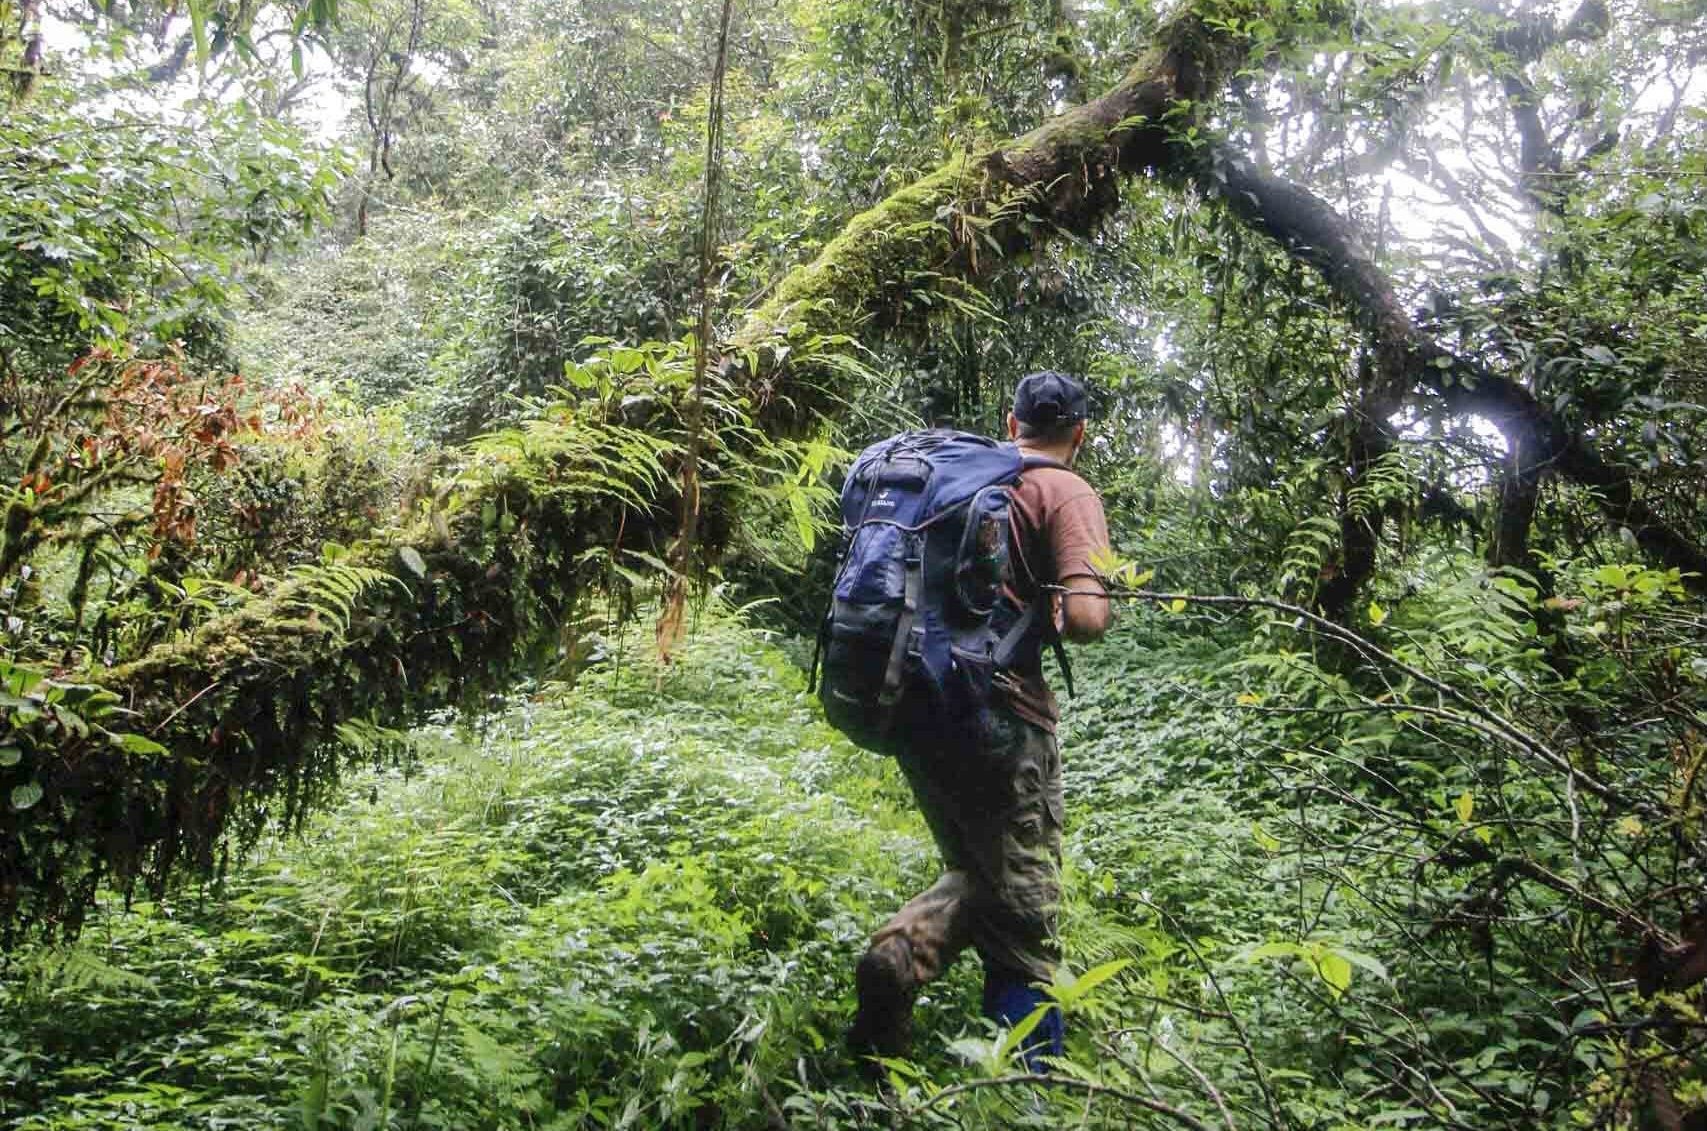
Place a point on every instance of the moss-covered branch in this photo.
(976, 211)
(149, 766)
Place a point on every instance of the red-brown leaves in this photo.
(157, 423)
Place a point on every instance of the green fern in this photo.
(1308, 548)
(76, 971)
(331, 591)
(566, 452)
(1388, 479)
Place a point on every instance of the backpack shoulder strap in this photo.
(1008, 647)
(1038, 609)
(1061, 658)
(913, 589)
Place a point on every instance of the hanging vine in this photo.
(682, 565)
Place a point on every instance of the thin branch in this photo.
(1498, 726)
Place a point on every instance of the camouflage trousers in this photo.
(996, 815)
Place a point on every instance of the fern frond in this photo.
(332, 591)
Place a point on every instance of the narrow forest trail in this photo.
(636, 901)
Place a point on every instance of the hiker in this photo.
(992, 793)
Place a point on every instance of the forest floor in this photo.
(634, 902)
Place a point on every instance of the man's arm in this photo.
(1078, 531)
(1086, 611)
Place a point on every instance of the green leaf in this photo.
(1366, 962)
(803, 525)
(412, 561)
(1264, 841)
(26, 795)
(10, 756)
(138, 744)
(1464, 806)
(975, 1051)
(1335, 971)
(198, 28)
(1093, 978)
(1017, 1035)
(1274, 950)
(1376, 614)
(1611, 576)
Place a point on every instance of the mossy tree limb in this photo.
(980, 209)
(1313, 233)
(236, 726)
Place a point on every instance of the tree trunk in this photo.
(29, 63)
(1371, 437)
(1519, 493)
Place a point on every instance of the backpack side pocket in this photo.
(971, 696)
(856, 656)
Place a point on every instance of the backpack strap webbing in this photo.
(1061, 658)
(1009, 647)
(912, 593)
(818, 653)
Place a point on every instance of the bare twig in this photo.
(1497, 725)
(1203, 1081)
(1275, 1114)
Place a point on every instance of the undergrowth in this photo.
(626, 903)
(637, 902)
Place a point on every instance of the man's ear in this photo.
(1079, 434)
(1013, 426)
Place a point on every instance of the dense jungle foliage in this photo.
(420, 427)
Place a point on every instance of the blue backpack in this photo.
(920, 621)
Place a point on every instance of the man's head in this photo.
(1049, 414)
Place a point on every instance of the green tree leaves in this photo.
(1328, 961)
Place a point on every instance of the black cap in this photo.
(1047, 399)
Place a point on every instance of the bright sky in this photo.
(322, 109)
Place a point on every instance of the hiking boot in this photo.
(883, 1024)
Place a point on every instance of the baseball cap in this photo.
(1046, 399)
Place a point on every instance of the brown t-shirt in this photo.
(1058, 526)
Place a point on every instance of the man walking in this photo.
(996, 811)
